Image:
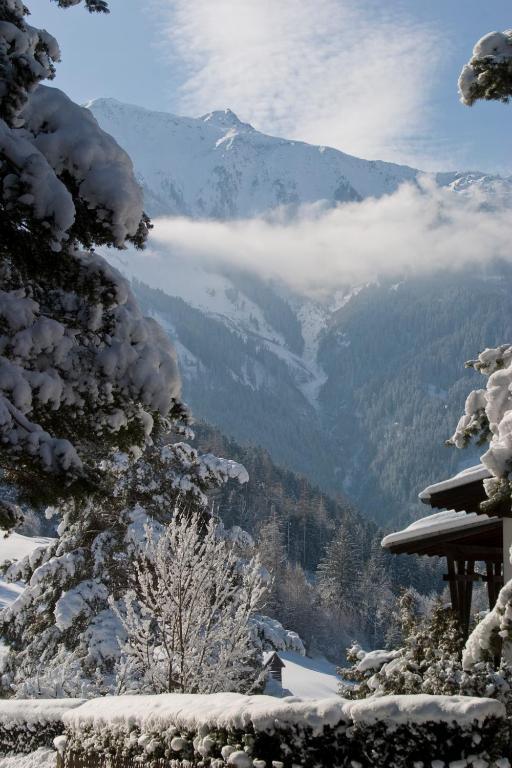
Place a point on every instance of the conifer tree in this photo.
(488, 412)
(82, 372)
(340, 571)
(89, 388)
(273, 557)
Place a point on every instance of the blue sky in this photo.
(380, 83)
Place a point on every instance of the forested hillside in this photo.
(396, 382)
(365, 403)
(325, 556)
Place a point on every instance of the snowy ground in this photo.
(308, 678)
(41, 758)
(13, 547)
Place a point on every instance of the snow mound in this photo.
(234, 711)
(14, 546)
(35, 711)
(424, 708)
(218, 710)
(41, 758)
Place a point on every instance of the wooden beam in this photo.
(463, 577)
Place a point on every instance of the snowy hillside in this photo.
(217, 166)
(12, 548)
(314, 383)
(308, 678)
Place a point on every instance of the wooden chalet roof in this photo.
(463, 492)
(273, 660)
(450, 534)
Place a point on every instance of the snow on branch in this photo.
(71, 141)
(488, 75)
(107, 380)
(488, 414)
(98, 6)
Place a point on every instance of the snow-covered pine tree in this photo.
(427, 662)
(486, 420)
(488, 74)
(81, 371)
(188, 617)
(63, 631)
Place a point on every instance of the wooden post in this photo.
(453, 584)
(494, 581)
(461, 575)
(507, 576)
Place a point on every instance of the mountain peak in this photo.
(225, 118)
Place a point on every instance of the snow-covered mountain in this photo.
(218, 167)
(359, 392)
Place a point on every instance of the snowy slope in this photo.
(13, 547)
(217, 166)
(308, 678)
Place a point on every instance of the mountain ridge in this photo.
(216, 166)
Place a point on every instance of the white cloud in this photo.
(344, 73)
(414, 230)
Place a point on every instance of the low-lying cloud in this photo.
(416, 230)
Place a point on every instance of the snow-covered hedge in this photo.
(263, 732)
(230, 729)
(26, 725)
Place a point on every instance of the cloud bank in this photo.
(344, 73)
(417, 230)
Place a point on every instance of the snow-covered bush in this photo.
(428, 662)
(488, 75)
(187, 618)
(429, 731)
(425, 663)
(81, 370)
(270, 635)
(264, 732)
(27, 725)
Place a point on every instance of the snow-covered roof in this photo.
(268, 656)
(469, 475)
(441, 522)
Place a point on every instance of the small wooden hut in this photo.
(274, 664)
(464, 536)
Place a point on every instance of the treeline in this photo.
(333, 582)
